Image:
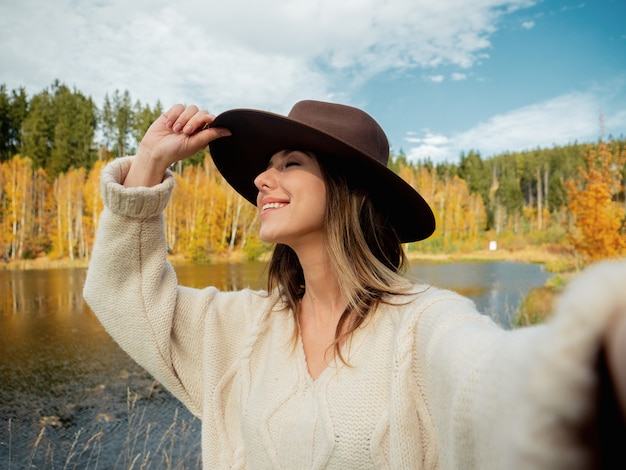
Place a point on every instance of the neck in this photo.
(324, 309)
(323, 300)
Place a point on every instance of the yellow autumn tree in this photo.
(460, 215)
(68, 234)
(206, 216)
(598, 216)
(194, 213)
(17, 216)
(92, 205)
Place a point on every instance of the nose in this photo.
(265, 179)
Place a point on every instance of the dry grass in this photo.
(174, 448)
(536, 307)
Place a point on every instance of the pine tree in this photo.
(75, 125)
(13, 110)
(38, 130)
(118, 121)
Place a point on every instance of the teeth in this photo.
(273, 205)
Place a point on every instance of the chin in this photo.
(268, 238)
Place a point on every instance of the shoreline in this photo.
(558, 259)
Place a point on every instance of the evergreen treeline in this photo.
(53, 145)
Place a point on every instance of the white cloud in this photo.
(559, 121)
(431, 146)
(435, 78)
(238, 52)
(573, 7)
(528, 24)
(615, 124)
(456, 77)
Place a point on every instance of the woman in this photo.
(342, 363)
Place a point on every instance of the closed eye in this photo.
(286, 158)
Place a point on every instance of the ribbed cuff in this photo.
(137, 202)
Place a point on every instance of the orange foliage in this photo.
(17, 184)
(68, 233)
(92, 205)
(598, 216)
(460, 215)
(206, 216)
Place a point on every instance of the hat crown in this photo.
(350, 125)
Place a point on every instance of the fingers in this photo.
(183, 130)
(188, 120)
(172, 114)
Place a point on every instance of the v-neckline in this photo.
(335, 363)
(304, 364)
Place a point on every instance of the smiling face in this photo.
(292, 199)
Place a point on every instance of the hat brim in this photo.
(257, 135)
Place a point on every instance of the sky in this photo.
(442, 77)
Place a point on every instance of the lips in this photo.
(273, 205)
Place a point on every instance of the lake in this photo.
(71, 398)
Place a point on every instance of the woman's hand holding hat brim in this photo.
(177, 134)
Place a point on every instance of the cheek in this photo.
(320, 200)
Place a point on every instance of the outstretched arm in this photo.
(615, 351)
(608, 432)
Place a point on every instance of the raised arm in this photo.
(130, 286)
(177, 134)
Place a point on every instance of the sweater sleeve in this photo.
(520, 398)
(558, 402)
(134, 292)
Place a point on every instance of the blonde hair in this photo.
(364, 250)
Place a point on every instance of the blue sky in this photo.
(441, 76)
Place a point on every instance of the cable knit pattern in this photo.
(431, 383)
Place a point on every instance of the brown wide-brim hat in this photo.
(349, 137)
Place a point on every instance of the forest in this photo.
(53, 145)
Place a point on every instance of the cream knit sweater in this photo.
(432, 383)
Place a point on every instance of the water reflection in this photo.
(497, 288)
(64, 384)
(226, 276)
(36, 291)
